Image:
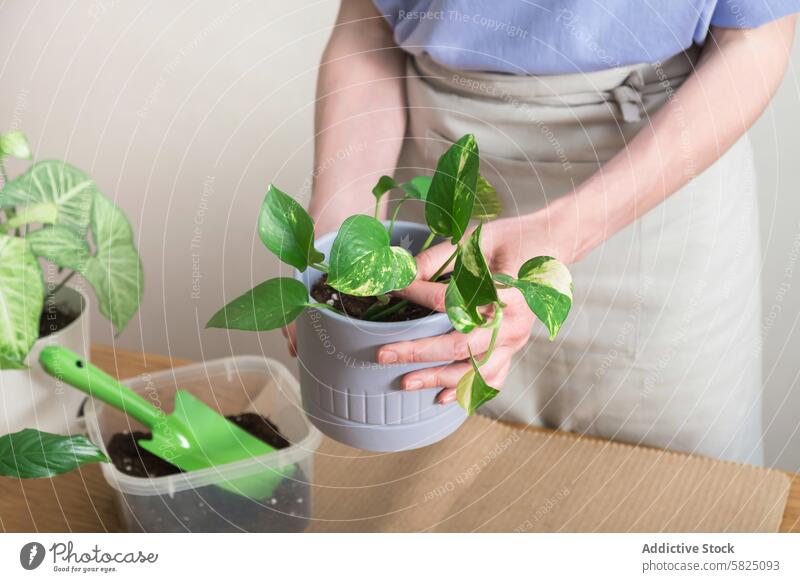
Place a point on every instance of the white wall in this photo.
(184, 111)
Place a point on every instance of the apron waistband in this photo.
(624, 86)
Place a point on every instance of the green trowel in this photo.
(192, 437)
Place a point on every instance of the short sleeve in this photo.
(751, 13)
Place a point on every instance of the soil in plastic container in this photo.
(210, 508)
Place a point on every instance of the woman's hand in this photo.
(506, 244)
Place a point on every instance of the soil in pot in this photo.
(55, 317)
(209, 508)
(356, 307)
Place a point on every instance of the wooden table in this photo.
(82, 501)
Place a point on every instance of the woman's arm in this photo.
(360, 114)
(735, 79)
(737, 76)
(360, 118)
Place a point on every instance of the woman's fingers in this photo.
(440, 348)
(449, 375)
(425, 293)
(495, 377)
(290, 333)
(431, 260)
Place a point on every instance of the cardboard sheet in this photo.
(490, 476)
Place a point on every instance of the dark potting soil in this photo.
(210, 508)
(54, 318)
(356, 307)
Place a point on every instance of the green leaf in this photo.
(462, 315)
(42, 213)
(363, 262)
(546, 285)
(115, 271)
(470, 287)
(61, 245)
(270, 305)
(472, 391)
(65, 190)
(9, 364)
(14, 144)
(287, 230)
(385, 183)
(451, 197)
(21, 301)
(418, 187)
(487, 203)
(30, 454)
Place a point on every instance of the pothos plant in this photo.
(51, 212)
(363, 262)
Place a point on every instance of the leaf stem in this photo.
(428, 242)
(63, 282)
(395, 213)
(498, 318)
(320, 267)
(441, 269)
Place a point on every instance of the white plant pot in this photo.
(31, 398)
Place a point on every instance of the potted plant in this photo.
(344, 309)
(52, 211)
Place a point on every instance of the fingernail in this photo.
(413, 385)
(387, 357)
(447, 398)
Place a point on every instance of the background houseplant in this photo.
(52, 212)
(363, 262)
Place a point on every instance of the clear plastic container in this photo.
(191, 501)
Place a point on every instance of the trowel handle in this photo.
(69, 367)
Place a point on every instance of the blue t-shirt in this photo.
(543, 37)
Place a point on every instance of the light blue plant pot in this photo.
(347, 394)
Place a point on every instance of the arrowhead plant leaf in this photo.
(451, 196)
(61, 245)
(59, 193)
(272, 304)
(472, 391)
(363, 262)
(15, 145)
(287, 230)
(546, 285)
(21, 301)
(30, 454)
(115, 271)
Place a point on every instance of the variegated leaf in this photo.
(472, 391)
(115, 271)
(21, 301)
(546, 285)
(363, 263)
(56, 192)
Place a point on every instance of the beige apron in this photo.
(662, 345)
